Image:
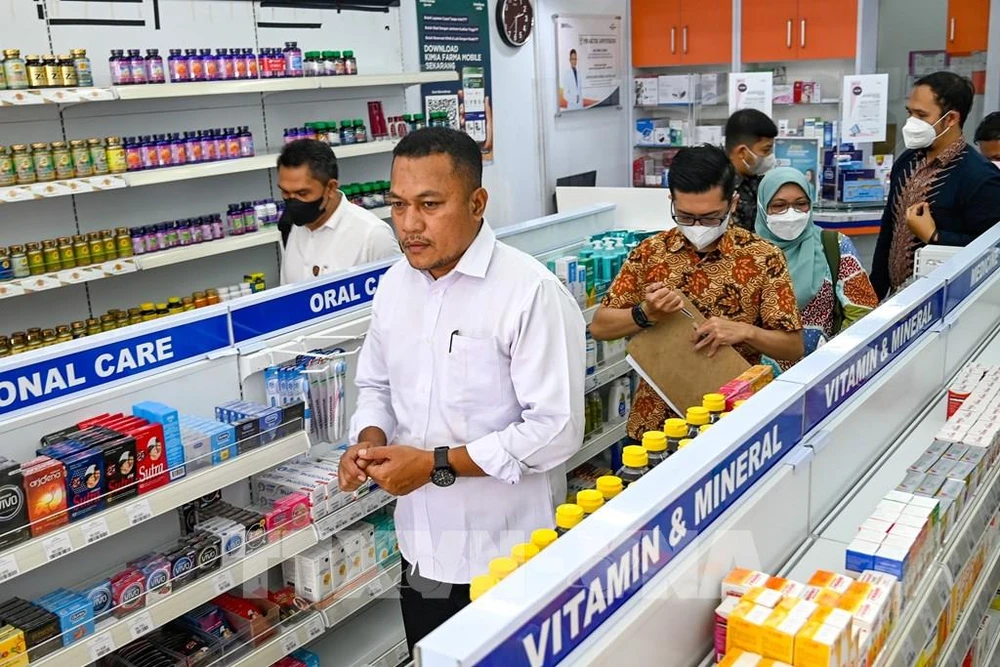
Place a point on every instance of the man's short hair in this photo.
(748, 126)
(698, 169)
(317, 155)
(952, 92)
(989, 129)
(466, 158)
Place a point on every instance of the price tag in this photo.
(8, 568)
(20, 193)
(138, 512)
(140, 624)
(223, 582)
(375, 588)
(57, 546)
(95, 531)
(101, 645)
(315, 627)
(289, 643)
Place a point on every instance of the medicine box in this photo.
(739, 581)
(746, 627)
(646, 91)
(780, 630)
(350, 543)
(313, 577)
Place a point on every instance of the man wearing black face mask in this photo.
(321, 231)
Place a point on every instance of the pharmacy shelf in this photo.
(73, 186)
(188, 253)
(360, 595)
(374, 637)
(67, 277)
(606, 373)
(964, 632)
(200, 591)
(293, 637)
(357, 510)
(991, 656)
(596, 443)
(42, 550)
(35, 96)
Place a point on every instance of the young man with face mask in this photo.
(750, 144)
(321, 231)
(737, 280)
(988, 138)
(941, 191)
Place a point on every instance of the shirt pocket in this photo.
(473, 373)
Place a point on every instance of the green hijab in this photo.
(806, 260)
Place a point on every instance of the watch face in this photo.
(443, 477)
(515, 18)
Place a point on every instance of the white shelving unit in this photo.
(605, 373)
(375, 638)
(303, 631)
(596, 443)
(44, 549)
(336, 521)
(353, 600)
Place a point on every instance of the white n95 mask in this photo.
(919, 133)
(761, 165)
(789, 225)
(702, 237)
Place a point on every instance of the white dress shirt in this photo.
(571, 89)
(351, 236)
(492, 357)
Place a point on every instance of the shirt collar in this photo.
(338, 214)
(477, 256)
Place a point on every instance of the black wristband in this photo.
(639, 317)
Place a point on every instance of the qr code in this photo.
(446, 103)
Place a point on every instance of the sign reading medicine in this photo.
(310, 301)
(559, 627)
(84, 370)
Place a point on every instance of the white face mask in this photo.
(761, 165)
(702, 237)
(919, 133)
(789, 225)
(996, 163)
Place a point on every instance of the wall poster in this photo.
(865, 109)
(804, 154)
(455, 35)
(588, 61)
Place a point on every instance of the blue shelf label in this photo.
(311, 302)
(854, 372)
(593, 598)
(962, 285)
(86, 370)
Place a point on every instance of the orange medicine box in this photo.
(780, 629)
(740, 658)
(745, 630)
(739, 581)
(820, 645)
(832, 580)
(764, 597)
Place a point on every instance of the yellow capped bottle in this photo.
(675, 430)
(635, 464)
(543, 537)
(609, 486)
(568, 516)
(523, 552)
(501, 567)
(655, 444)
(696, 416)
(715, 404)
(684, 443)
(590, 500)
(480, 585)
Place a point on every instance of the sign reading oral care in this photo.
(865, 363)
(32, 384)
(962, 285)
(310, 301)
(562, 625)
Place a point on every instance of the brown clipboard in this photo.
(665, 357)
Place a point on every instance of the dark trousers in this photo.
(426, 603)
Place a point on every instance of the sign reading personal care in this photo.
(962, 285)
(592, 599)
(751, 90)
(588, 61)
(454, 35)
(86, 370)
(838, 385)
(310, 301)
(865, 108)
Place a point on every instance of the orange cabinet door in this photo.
(656, 33)
(968, 26)
(827, 30)
(706, 32)
(769, 30)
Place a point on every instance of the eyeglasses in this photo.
(685, 220)
(801, 206)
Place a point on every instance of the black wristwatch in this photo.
(639, 317)
(443, 474)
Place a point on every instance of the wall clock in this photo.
(515, 19)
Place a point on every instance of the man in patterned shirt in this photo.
(750, 144)
(736, 279)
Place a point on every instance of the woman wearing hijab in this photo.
(831, 286)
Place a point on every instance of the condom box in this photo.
(45, 494)
(169, 419)
(99, 596)
(13, 505)
(75, 614)
(84, 482)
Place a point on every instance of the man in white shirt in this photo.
(569, 89)
(472, 373)
(321, 231)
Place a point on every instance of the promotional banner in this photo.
(751, 90)
(588, 61)
(802, 154)
(865, 108)
(455, 35)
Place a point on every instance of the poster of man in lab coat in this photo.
(570, 97)
(588, 61)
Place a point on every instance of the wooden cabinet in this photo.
(776, 30)
(968, 26)
(681, 32)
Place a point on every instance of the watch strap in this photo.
(640, 318)
(441, 458)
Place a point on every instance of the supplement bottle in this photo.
(253, 68)
(163, 152)
(147, 152)
(67, 71)
(6, 270)
(246, 142)
(133, 154)
(232, 140)
(684, 443)
(48, 337)
(3, 76)
(134, 316)
(108, 323)
(34, 338)
(328, 65)
(590, 500)
(121, 320)
(350, 63)
(18, 343)
(115, 152)
(480, 585)
(347, 136)
(66, 254)
(63, 161)
(635, 464)
(84, 72)
(96, 244)
(219, 137)
(78, 329)
(591, 354)
(229, 59)
(697, 416)
(293, 60)
(50, 254)
(543, 537)
(53, 75)
(198, 60)
(212, 296)
(339, 68)
(154, 66)
(568, 516)
(81, 250)
(36, 72)
(240, 69)
(24, 164)
(655, 444)
(98, 156)
(137, 65)
(63, 334)
(609, 486)
(4, 347)
(177, 65)
(81, 158)
(675, 430)
(8, 176)
(360, 131)
(312, 66)
(178, 151)
(14, 70)
(19, 262)
(502, 567)
(123, 242)
(93, 326)
(716, 405)
(523, 552)
(36, 259)
(121, 68)
(45, 168)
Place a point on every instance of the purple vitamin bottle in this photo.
(138, 244)
(207, 145)
(121, 70)
(147, 152)
(164, 157)
(263, 71)
(178, 151)
(293, 60)
(154, 66)
(138, 66)
(192, 150)
(196, 70)
(249, 219)
(205, 223)
(133, 155)
(177, 66)
(228, 64)
(149, 237)
(246, 142)
(220, 144)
